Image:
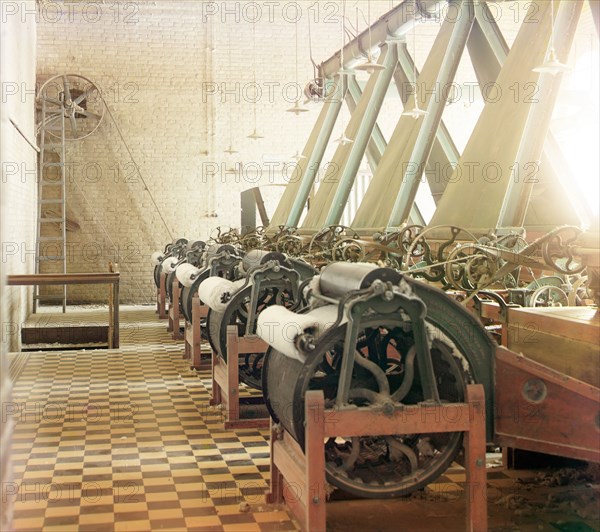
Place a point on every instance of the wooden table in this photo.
(50, 279)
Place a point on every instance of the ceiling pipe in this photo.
(393, 25)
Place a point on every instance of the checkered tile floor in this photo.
(125, 440)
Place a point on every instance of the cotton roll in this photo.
(216, 293)
(156, 258)
(186, 273)
(280, 327)
(169, 264)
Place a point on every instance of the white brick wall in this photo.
(154, 68)
(19, 188)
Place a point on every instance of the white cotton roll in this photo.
(186, 273)
(280, 327)
(169, 264)
(156, 258)
(214, 290)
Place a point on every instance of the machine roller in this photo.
(271, 279)
(193, 255)
(372, 337)
(173, 250)
(219, 261)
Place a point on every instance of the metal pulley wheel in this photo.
(549, 296)
(76, 97)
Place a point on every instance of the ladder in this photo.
(51, 236)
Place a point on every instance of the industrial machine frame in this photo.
(298, 477)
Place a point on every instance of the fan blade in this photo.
(88, 114)
(85, 95)
(73, 124)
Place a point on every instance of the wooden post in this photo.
(115, 322)
(162, 297)
(275, 493)
(196, 333)
(174, 317)
(111, 303)
(233, 379)
(314, 412)
(475, 442)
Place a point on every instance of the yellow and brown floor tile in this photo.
(126, 440)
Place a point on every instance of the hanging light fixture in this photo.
(370, 66)
(298, 156)
(297, 108)
(552, 64)
(416, 112)
(343, 139)
(255, 135)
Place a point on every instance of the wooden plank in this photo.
(565, 339)
(452, 417)
(47, 279)
(543, 410)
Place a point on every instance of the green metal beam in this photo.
(308, 167)
(367, 110)
(444, 151)
(377, 142)
(435, 108)
(518, 195)
(551, 205)
(406, 74)
(495, 148)
(395, 23)
(377, 145)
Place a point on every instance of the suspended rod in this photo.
(394, 24)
